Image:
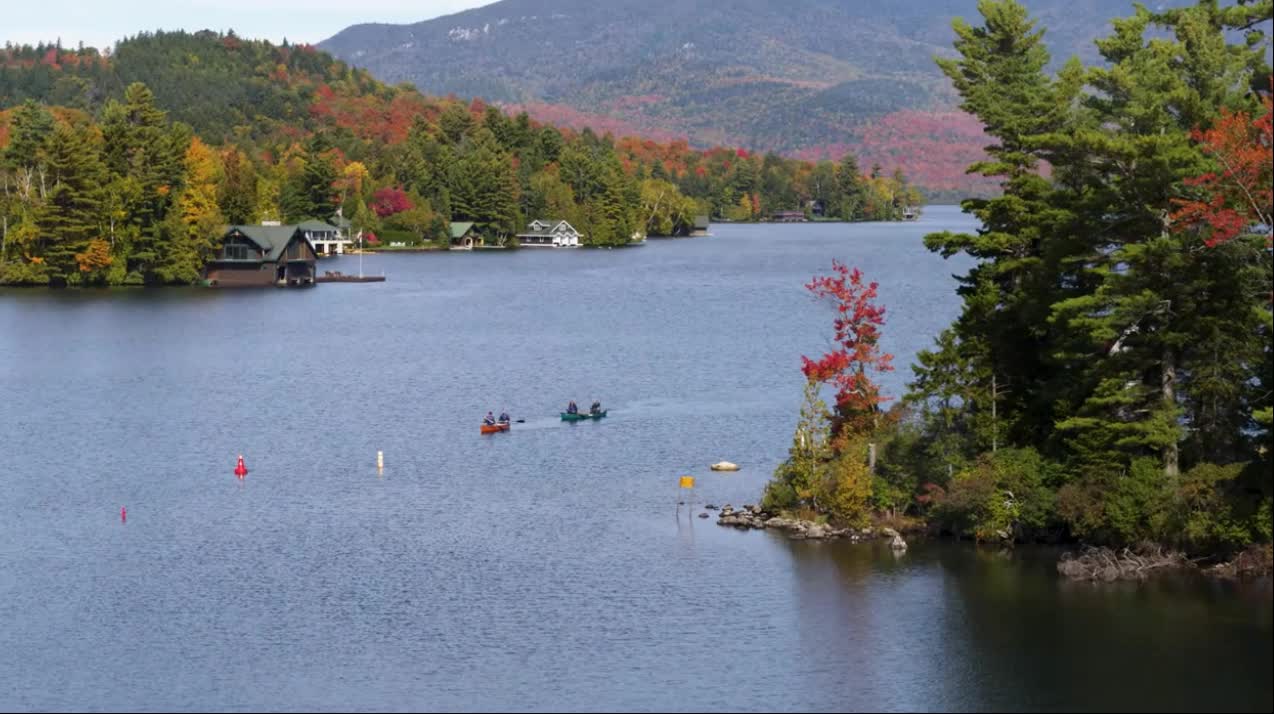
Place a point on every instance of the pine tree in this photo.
(237, 193)
(72, 215)
(31, 126)
(850, 190)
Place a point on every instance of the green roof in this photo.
(458, 230)
(272, 239)
(315, 225)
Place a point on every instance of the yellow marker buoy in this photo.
(687, 481)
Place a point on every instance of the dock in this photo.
(329, 276)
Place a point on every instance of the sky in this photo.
(99, 23)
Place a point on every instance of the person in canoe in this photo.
(489, 419)
(572, 408)
(504, 418)
(596, 408)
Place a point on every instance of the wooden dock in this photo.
(329, 276)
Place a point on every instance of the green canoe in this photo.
(582, 416)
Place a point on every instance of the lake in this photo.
(546, 569)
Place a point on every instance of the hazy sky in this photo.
(102, 22)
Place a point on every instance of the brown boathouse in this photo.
(262, 256)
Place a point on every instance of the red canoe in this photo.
(494, 429)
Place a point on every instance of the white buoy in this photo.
(380, 460)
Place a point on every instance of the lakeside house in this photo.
(789, 217)
(328, 237)
(701, 225)
(464, 237)
(261, 256)
(549, 234)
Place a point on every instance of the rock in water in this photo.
(889, 532)
(703, 515)
(898, 543)
(724, 466)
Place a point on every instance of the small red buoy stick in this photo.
(240, 470)
(123, 514)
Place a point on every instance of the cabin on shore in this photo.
(262, 256)
(789, 217)
(464, 236)
(328, 237)
(549, 234)
(701, 225)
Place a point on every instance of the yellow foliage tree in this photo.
(845, 488)
(198, 217)
(95, 257)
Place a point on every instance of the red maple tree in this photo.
(388, 201)
(1240, 194)
(857, 335)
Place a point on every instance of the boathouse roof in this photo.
(272, 239)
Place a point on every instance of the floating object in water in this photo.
(123, 514)
(687, 482)
(495, 428)
(239, 469)
(724, 466)
(567, 416)
(380, 460)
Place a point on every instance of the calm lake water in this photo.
(544, 569)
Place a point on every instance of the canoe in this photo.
(582, 416)
(487, 429)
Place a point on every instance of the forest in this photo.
(1110, 377)
(120, 168)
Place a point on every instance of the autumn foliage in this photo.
(1240, 194)
(857, 335)
(389, 201)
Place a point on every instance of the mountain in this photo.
(802, 77)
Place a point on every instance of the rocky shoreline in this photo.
(754, 517)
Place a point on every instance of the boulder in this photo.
(889, 532)
(898, 543)
(709, 507)
(724, 466)
(703, 515)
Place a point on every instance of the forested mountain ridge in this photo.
(809, 78)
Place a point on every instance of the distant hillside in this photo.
(151, 148)
(805, 77)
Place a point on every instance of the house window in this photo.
(235, 251)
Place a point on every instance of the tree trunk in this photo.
(995, 425)
(1168, 383)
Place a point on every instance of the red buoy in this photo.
(123, 514)
(240, 470)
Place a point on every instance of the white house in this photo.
(328, 238)
(549, 234)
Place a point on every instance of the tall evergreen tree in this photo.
(72, 215)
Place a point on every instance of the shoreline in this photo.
(1077, 561)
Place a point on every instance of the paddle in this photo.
(521, 421)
